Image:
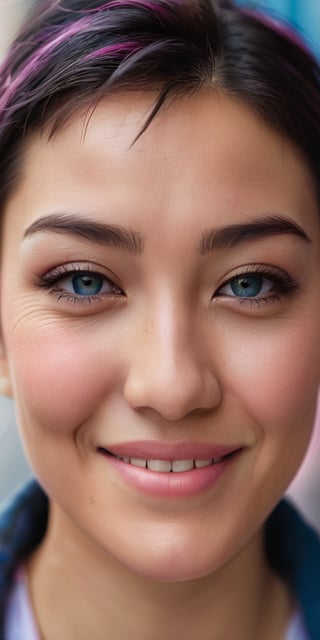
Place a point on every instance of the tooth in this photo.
(202, 463)
(138, 462)
(215, 460)
(125, 459)
(159, 465)
(182, 465)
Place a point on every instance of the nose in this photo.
(170, 371)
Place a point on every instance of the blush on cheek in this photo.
(273, 371)
(276, 377)
(59, 383)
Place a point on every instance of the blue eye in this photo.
(79, 285)
(249, 285)
(87, 284)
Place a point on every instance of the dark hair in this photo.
(71, 53)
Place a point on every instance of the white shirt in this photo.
(296, 629)
(20, 622)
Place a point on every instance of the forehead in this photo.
(202, 156)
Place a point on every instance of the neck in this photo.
(94, 592)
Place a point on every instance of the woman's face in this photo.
(160, 302)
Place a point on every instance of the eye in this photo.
(86, 283)
(75, 284)
(251, 285)
(258, 283)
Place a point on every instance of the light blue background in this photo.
(302, 14)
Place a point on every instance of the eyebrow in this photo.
(237, 234)
(109, 235)
(116, 236)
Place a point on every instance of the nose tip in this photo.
(172, 394)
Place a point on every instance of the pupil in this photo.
(246, 286)
(87, 284)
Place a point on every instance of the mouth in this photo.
(170, 471)
(159, 465)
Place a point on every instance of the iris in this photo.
(87, 284)
(248, 286)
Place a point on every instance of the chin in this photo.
(163, 567)
(185, 574)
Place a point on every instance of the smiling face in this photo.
(140, 319)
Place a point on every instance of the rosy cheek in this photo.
(276, 374)
(61, 377)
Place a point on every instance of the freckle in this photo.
(91, 500)
(232, 201)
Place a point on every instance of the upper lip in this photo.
(159, 450)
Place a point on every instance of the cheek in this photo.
(61, 376)
(275, 377)
(276, 370)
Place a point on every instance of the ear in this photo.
(5, 379)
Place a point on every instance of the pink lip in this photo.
(159, 450)
(170, 485)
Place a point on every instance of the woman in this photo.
(160, 318)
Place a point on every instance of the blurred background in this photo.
(304, 15)
(11, 13)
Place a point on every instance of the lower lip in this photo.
(183, 484)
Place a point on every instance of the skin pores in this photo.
(169, 351)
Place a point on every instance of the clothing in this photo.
(292, 548)
(296, 629)
(20, 623)
(22, 525)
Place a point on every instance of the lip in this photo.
(159, 450)
(169, 485)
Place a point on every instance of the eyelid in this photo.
(69, 268)
(263, 270)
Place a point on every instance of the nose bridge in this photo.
(168, 337)
(169, 371)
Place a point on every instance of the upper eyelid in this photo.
(265, 270)
(60, 271)
(74, 266)
(262, 269)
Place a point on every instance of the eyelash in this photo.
(283, 284)
(49, 281)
